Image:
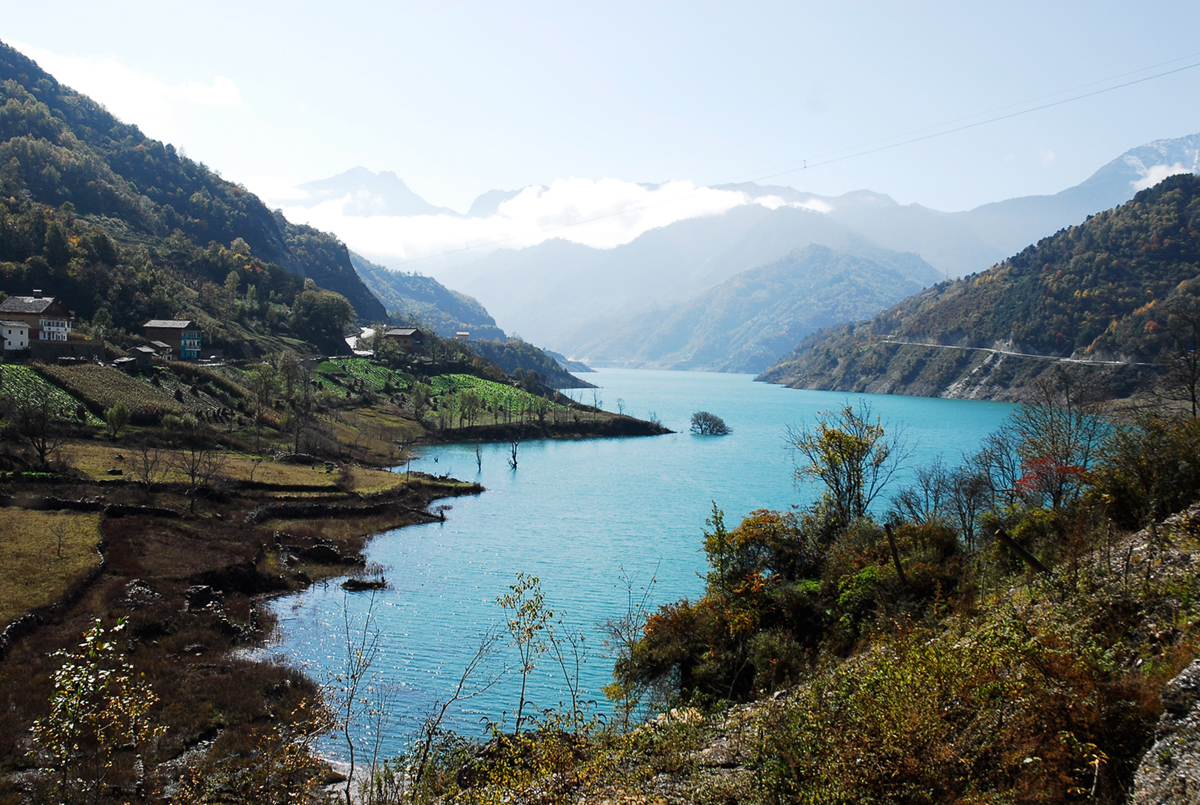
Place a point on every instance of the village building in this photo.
(407, 338)
(178, 336)
(463, 335)
(47, 317)
(16, 334)
(144, 355)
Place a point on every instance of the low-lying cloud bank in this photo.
(602, 214)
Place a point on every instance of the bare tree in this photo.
(1182, 358)
(468, 687)
(621, 636)
(39, 421)
(193, 458)
(479, 456)
(924, 499)
(200, 466)
(59, 529)
(149, 463)
(1058, 434)
(514, 447)
(345, 692)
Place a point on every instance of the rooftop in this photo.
(26, 304)
(171, 324)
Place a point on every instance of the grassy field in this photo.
(97, 458)
(44, 553)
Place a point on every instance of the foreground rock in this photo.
(1170, 771)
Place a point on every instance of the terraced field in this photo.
(494, 395)
(99, 387)
(22, 382)
(356, 373)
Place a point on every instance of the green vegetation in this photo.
(23, 383)
(123, 229)
(412, 299)
(1119, 287)
(527, 364)
(101, 387)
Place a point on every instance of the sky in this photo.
(459, 98)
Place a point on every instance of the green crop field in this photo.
(494, 395)
(102, 386)
(349, 372)
(22, 382)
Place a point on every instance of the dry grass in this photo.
(239, 467)
(97, 458)
(373, 482)
(37, 569)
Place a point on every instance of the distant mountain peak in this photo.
(369, 193)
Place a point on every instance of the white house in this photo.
(16, 334)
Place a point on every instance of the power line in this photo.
(820, 160)
(979, 114)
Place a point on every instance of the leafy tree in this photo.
(322, 317)
(528, 622)
(100, 707)
(116, 418)
(854, 457)
(469, 405)
(420, 396)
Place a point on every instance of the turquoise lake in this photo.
(580, 515)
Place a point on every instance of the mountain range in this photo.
(1114, 300)
(583, 301)
(746, 322)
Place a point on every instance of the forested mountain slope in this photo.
(417, 299)
(1111, 295)
(745, 323)
(59, 147)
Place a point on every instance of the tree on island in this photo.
(706, 424)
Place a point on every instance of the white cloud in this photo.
(145, 100)
(1048, 157)
(273, 190)
(1156, 173)
(602, 214)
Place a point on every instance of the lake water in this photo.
(581, 515)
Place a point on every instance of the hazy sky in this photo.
(460, 98)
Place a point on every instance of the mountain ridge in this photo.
(1104, 297)
(745, 323)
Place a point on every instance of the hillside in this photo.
(1107, 297)
(549, 292)
(745, 323)
(417, 299)
(155, 210)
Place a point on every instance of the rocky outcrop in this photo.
(1169, 773)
